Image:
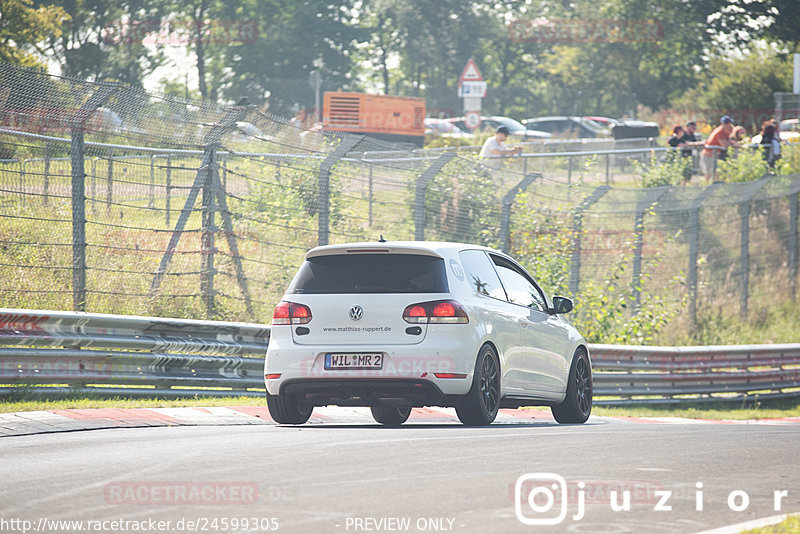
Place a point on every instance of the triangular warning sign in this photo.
(470, 73)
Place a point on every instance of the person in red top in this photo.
(720, 137)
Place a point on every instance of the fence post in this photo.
(577, 231)
(152, 200)
(46, 172)
(744, 213)
(77, 126)
(508, 200)
(347, 144)
(638, 240)
(421, 188)
(569, 170)
(793, 245)
(110, 182)
(694, 242)
(208, 231)
(94, 185)
(211, 140)
(371, 194)
(169, 185)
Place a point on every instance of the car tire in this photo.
(285, 410)
(479, 406)
(390, 415)
(577, 405)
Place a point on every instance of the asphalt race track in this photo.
(343, 473)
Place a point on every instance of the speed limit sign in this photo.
(472, 119)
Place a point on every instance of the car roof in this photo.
(553, 118)
(426, 248)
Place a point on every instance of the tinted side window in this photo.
(520, 290)
(371, 273)
(481, 274)
(544, 126)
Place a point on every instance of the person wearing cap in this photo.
(496, 146)
(690, 138)
(715, 145)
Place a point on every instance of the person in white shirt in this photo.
(496, 146)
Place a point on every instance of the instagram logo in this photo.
(537, 498)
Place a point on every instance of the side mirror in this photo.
(561, 305)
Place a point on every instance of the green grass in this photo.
(790, 525)
(34, 404)
(767, 409)
(758, 410)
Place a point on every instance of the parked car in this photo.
(603, 122)
(790, 130)
(397, 325)
(635, 129)
(444, 128)
(515, 128)
(567, 127)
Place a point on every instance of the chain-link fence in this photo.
(119, 201)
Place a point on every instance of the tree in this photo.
(105, 39)
(741, 87)
(24, 27)
(293, 38)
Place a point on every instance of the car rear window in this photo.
(371, 273)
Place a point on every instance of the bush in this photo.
(746, 165)
(671, 171)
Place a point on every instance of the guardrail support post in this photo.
(77, 127)
(508, 200)
(577, 232)
(419, 195)
(347, 143)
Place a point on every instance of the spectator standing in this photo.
(496, 146)
(771, 145)
(678, 133)
(717, 142)
(685, 139)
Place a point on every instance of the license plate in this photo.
(353, 360)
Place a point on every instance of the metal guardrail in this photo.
(139, 356)
(672, 374)
(133, 356)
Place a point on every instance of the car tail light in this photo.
(449, 375)
(291, 313)
(274, 376)
(437, 311)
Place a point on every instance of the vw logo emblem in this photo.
(356, 312)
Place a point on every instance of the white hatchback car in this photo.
(396, 325)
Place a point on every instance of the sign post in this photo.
(315, 81)
(472, 89)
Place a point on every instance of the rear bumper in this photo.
(366, 392)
